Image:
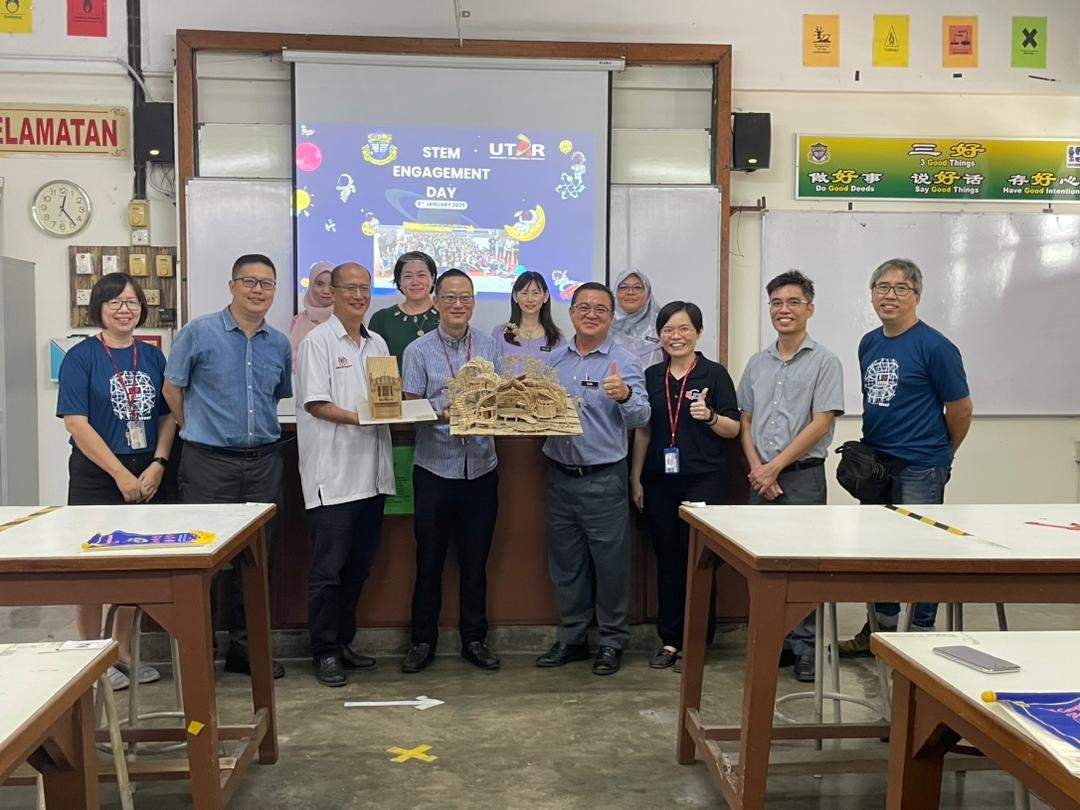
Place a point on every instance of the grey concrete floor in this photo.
(523, 737)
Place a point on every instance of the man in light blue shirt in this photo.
(588, 501)
(455, 483)
(223, 380)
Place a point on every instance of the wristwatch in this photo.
(164, 462)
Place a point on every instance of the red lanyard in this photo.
(673, 413)
(468, 355)
(130, 393)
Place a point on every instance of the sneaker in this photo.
(859, 645)
(117, 679)
(147, 674)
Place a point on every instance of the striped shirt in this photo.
(427, 366)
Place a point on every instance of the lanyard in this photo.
(673, 413)
(132, 392)
(468, 355)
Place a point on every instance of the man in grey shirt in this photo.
(789, 396)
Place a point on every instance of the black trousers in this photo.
(462, 511)
(671, 542)
(208, 477)
(344, 537)
(89, 485)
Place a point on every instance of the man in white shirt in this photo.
(346, 471)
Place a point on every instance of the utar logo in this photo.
(521, 149)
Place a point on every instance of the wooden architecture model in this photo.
(534, 403)
(384, 387)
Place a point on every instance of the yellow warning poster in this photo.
(821, 40)
(17, 17)
(891, 40)
(959, 42)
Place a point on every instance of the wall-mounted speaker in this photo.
(751, 133)
(152, 123)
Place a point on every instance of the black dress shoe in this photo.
(608, 660)
(562, 653)
(787, 658)
(240, 663)
(477, 653)
(417, 659)
(350, 659)
(804, 669)
(664, 658)
(329, 672)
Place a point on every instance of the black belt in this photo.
(805, 464)
(245, 453)
(582, 470)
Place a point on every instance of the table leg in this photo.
(699, 576)
(257, 610)
(189, 624)
(918, 743)
(766, 625)
(68, 760)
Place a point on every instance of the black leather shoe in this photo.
(350, 659)
(418, 658)
(240, 663)
(562, 653)
(804, 669)
(329, 672)
(478, 654)
(608, 660)
(664, 658)
(787, 658)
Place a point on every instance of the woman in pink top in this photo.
(318, 304)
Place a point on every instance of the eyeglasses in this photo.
(451, 299)
(790, 303)
(684, 330)
(117, 304)
(631, 288)
(353, 289)
(251, 282)
(899, 290)
(585, 309)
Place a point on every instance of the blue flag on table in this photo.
(1057, 712)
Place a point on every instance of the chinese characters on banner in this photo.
(17, 17)
(1029, 42)
(821, 40)
(929, 168)
(891, 40)
(87, 18)
(959, 42)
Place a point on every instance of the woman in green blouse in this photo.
(401, 324)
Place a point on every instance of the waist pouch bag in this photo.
(865, 473)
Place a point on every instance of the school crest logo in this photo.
(818, 153)
(379, 148)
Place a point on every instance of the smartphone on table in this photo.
(977, 659)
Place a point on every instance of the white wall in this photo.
(1004, 460)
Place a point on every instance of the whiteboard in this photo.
(672, 234)
(227, 218)
(1003, 287)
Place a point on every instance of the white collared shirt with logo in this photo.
(339, 463)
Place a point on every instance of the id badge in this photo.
(671, 460)
(136, 435)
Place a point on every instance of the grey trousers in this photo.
(800, 487)
(589, 553)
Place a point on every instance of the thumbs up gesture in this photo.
(699, 408)
(614, 386)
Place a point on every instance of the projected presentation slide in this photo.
(491, 202)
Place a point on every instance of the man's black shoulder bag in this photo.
(866, 473)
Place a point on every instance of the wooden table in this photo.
(936, 702)
(42, 563)
(47, 717)
(795, 557)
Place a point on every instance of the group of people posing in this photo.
(632, 367)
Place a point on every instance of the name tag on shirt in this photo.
(652, 339)
(590, 383)
(545, 348)
(671, 460)
(136, 435)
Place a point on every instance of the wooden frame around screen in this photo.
(190, 42)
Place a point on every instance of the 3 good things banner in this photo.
(929, 168)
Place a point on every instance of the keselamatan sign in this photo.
(63, 129)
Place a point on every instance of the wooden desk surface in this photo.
(823, 538)
(53, 541)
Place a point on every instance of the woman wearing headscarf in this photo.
(635, 317)
(318, 304)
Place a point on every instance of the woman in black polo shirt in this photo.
(680, 456)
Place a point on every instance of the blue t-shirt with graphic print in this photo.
(89, 387)
(906, 381)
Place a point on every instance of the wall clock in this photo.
(61, 208)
